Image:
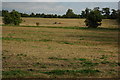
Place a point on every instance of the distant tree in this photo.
(42, 15)
(114, 14)
(55, 16)
(70, 14)
(96, 8)
(0, 13)
(106, 12)
(32, 15)
(37, 15)
(93, 19)
(85, 13)
(118, 17)
(24, 15)
(59, 16)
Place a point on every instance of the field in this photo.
(66, 51)
(106, 23)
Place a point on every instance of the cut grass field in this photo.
(106, 23)
(57, 52)
(64, 22)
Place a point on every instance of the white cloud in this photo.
(55, 7)
(41, 7)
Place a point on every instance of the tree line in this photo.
(105, 12)
(93, 17)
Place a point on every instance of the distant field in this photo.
(43, 52)
(106, 23)
(65, 22)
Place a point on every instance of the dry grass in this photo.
(106, 23)
(38, 50)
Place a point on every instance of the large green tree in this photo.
(12, 17)
(93, 19)
(7, 19)
(15, 17)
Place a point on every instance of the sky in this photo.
(60, 0)
(55, 7)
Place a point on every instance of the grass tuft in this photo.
(55, 58)
(63, 72)
(15, 73)
(88, 64)
(81, 59)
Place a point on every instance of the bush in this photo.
(93, 19)
(12, 18)
(37, 23)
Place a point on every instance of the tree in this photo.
(32, 15)
(85, 13)
(118, 17)
(106, 12)
(93, 19)
(24, 15)
(55, 16)
(114, 14)
(70, 14)
(96, 8)
(42, 15)
(37, 15)
(12, 17)
(16, 20)
(7, 19)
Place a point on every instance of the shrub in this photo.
(12, 18)
(37, 23)
(55, 22)
(93, 19)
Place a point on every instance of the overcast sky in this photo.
(60, 0)
(55, 7)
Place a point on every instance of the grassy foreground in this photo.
(44, 52)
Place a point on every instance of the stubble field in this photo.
(59, 52)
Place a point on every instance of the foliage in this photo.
(85, 13)
(15, 17)
(114, 14)
(7, 17)
(106, 12)
(63, 72)
(118, 17)
(11, 17)
(32, 15)
(15, 73)
(93, 19)
(70, 14)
